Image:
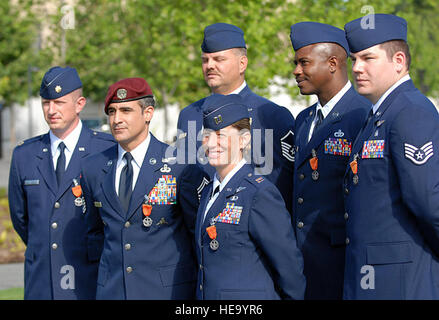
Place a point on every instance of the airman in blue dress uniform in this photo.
(245, 242)
(141, 204)
(323, 149)
(224, 61)
(46, 208)
(392, 184)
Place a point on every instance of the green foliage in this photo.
(160, 41)
(9, 239)
(18, 50)
(12, 294)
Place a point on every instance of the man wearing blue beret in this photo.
(392, 184)
(324, 135)
(224, 61)
(46, 200)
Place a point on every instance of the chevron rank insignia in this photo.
(200, 188)
(417, 155)
(288, 150)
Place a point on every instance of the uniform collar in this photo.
(227, 178)
(70, 141)
(327, 108)
(239, 89)
(389, 91)
(138, 152)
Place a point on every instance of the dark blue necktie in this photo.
(318, 122)
(319, 119)
(126, 182)
(61, 163)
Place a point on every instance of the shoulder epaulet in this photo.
(255, 179)
(103, 135)
(30, 140)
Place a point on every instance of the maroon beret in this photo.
(128, 89)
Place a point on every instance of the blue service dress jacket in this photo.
(57, 263)
(257, 257)
(272, 150)
(318, 206)
(155, 261)
(393, 203)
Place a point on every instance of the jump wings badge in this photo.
(417, 155)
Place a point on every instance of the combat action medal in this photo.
(354, 168)
(314, 163)
(211, 231)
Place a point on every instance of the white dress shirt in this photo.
(239, 89)
(70, 142)
(327, 108)
(138, 154)
(222, 185)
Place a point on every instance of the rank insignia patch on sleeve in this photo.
(288, 150)
(418, 155)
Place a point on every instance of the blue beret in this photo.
(222, 36)
(58, 82)
(305, 33)
(373, 29)
(220, 111)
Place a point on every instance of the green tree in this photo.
(20, 55)
(160, 41)
(18, 48)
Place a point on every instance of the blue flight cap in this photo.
(222, 36)
(305, 33)
(221, 111)
(373, 29)
(58, 82)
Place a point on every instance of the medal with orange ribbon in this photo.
(314, 163)
(354, 168)
(211, 231)
(146, 209)
(77, 192)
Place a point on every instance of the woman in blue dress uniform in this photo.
(246, 247)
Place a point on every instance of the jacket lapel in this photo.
(73, 169)
(366, 132)
(302, 136)
(227, 191)
(45, 165)
(108, 183)
(200, 216)
(148, 175)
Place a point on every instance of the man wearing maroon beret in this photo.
(141, 204)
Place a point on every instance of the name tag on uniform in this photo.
(31, 182)
(230, 214)
(373, 149)
(98, 204)
(338, 147)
